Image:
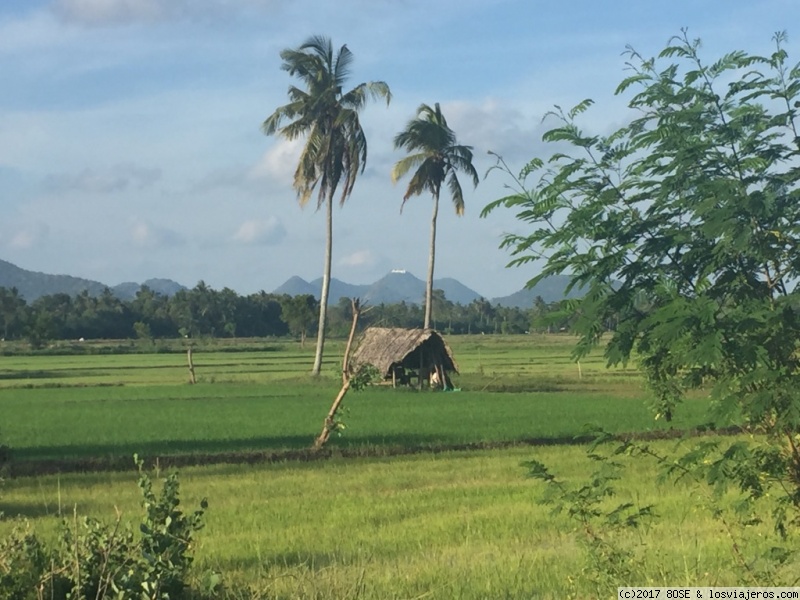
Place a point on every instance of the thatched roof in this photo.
(382, 347)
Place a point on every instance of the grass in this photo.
(518, 388)
(453, 525)
(442, 524)
(206, 419)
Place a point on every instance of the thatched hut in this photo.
(401, 354)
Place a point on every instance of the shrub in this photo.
(97, 560)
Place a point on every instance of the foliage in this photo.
(12, 307)
(95, 560)
(335, 149)
(167, 535)
(222, 314)
(25, 566)
(758, 498)
(365, 375)
(437, 158)
(704, 474)
(298, 312)
(683, 226)
(609, 564)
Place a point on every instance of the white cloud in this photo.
(260, 232)
(496, 126)
(114, 12)
(360, 259)
(279, 162)
(146, 235)
(122, 12)
(29, 236)
(103, 181)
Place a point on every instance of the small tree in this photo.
(683, 227)
(299, 313)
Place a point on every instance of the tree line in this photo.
(205, 312)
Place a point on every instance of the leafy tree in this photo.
(483, 311)
(683, 226)
(12, 312)
(335, 151)
(443, 307)
(152, 309)
(437, 158)
(48, 318)
(261, 316)
(229, 307)
(298, 312)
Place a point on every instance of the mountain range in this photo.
(402, 286)
(32, 284)
(396, 286)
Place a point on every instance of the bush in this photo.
(96, 560)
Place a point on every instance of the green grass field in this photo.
(524, 388)
(436, 524)
(453, 525)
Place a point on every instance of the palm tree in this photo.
(436, 156)
(335, 150)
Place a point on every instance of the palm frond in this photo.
(371, 90)
(335, 150)
(461, 159)
(456, 193)
(341, 66)
(404, 165)
(435, 154)
(427, 178)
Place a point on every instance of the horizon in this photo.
(272, 290)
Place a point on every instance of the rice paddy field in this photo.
(424, 495)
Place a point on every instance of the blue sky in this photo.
(130, 142)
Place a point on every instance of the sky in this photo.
(131, 143)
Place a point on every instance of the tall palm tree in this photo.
(335, 150)
(437, 157)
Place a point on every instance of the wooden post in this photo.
(440, 373)
(421, 363)
(192, 378)
(329, 424)
(394, 376)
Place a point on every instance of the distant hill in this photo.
(550, 289)
(394, 287)
(455, 291)
(297, 286)
(338, 290)
(397, 286)
(165, 287)
(32, 284)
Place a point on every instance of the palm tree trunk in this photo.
(431, 260)
(326, 282)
